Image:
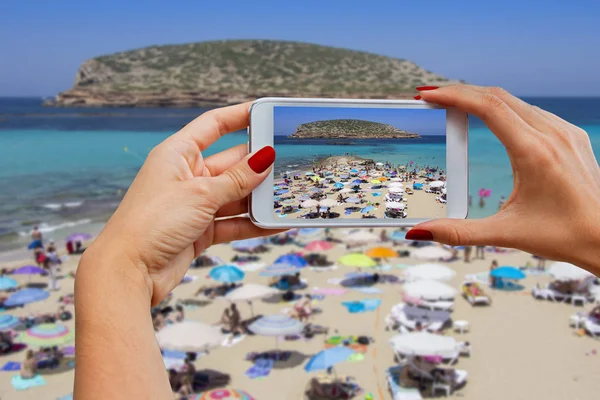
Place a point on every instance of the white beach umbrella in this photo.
(396, 184)
(361, 237)
(189, 336)
(346, 190)
(429, 290)
(424, 344)
(379, 164)
(436, 272)
(563, 271)
(431, 253)
(328, 203)
(395, 189)
(396, 179)
(309, 203)
(250, 291)
(437, 184)
(376, 174)
(395, 205)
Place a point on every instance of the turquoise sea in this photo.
(67, 169)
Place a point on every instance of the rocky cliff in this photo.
(231, 71)
(350, 129)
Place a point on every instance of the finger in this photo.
(242, 178)
(220, 162)
(227, 230)
(234, 208)
(462, 232)
(498, 116)
(210, 126)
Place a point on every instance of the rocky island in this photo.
(350, 129)
(232, 71)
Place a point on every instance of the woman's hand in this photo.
(168, 215)
(554, 209)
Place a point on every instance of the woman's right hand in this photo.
(554, 208)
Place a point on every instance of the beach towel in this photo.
(347, 212)
(24, 384)
(330, 291)
(361, 306)
(11, 366)
(261, 369)
(371, 304)
(369, 290)
(356, 357)
(334, 281)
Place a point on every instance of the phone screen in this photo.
(350, 162)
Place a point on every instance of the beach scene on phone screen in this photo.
(353, 162)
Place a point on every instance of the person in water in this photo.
(175, 206)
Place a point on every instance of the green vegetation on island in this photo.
(350, 129)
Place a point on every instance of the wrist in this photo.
(586, 252)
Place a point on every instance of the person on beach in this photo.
(493, 266)
(467, 254)
(175, 209)
(52, 263)
(480, 252)
(29, 366)
(36, 238)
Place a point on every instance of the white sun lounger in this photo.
(398, 392)
(592, 328)
(448, 384)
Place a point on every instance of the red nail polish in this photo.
(421, 88)
(418, 97)
(262, 159)
(419, 234)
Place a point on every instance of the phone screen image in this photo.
(350, 162)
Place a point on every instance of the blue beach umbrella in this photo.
(338, 185)
(398, 235)
(328, 358)
(248, 244)
(291, 259)
(353, 200)
(506, 272)
(25, 296)
(367, 209)
(357, 181)
(8, 322)
(328, 173)
(279, 270)
(7, 283)
(282, 191)
(276, 187)
(308, 231)
(354, 171)
(227, 274)
(309, 174)
(344, 176)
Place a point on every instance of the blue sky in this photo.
(530, 47)
(423, 122)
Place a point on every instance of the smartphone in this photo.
(359, 163)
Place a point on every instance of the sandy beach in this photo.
(353, 187)
(522, 348)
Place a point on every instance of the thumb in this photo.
(460, 232)
(243, 177)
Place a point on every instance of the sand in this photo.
(418, 203)
(522, 348)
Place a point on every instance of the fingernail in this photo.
(418, 97)
(419, 234)
(421, 88)
(262, 159)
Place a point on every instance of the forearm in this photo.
(117, 355)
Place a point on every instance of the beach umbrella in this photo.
(367, 209)
(249, 292)
(396, 180)
(328, 173)
(316, 190)
(383, 179)
(380, 164)
(328, 203)
(437, 184)
(506, 272)
(357, 260)
(424, 344)
(304, 198)
(78, 237)
(429, 290)
(46, 335)
(25, 296)
(227, 274)
(395, 189)
(563, 271)
(398, 235)
(346, 190)
(375, 181)
(319, 245)
(29, 270)
(344, 176)
(248, 244)
(276, 325)
(353, 200)
(279, 270)
(309, 203)
(8, 322)
(431, 253)
(189, 336)
(357, 181)
(354, 171)
(381, 252)
(436, 272)
(395, 205)
(327, 358)
(338, 185)
(309, 231)
(282, 191)
(309, 174)
(316, 178)
(222, 394)
(292, 259)
(7, 283)
(276, 187)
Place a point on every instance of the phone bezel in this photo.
(261, 134)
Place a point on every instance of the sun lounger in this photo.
(592, 328)
(547, 293)
(449, 381)
(474, 299)
(396, 390)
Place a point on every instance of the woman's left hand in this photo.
(167, 217)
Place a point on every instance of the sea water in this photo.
(67, 169)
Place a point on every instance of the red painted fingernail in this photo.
(419, 234)
(262, 159)
(417, 97)
(421, 88)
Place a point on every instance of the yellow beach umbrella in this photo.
(357, 260)
(381, 252)
(375, 181)
(316, 178)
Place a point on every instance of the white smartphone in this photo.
(359, 163)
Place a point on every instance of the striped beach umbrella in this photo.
(46, 335)
(227, 274)
(222, 394)
(7, 283)
(8, 322)
(276, 325)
